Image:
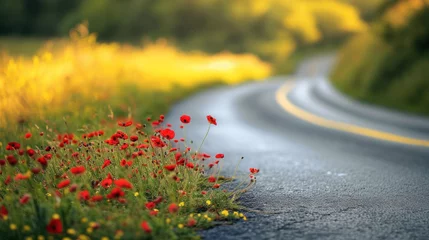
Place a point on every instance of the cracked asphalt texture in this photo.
(314, 182)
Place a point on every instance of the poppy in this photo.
(145, 226)
(173, 208)
(2, 162)
(219, 155)
(158, 200)
(106, 183)
(211, 120)
(55, 226)
(125, 124)
(123, 183)
(116, 193)
(13, 146)
(77, 170)
(4, 212)
(191, 222)
(124, 146)
(168, 133)
(36, 170)
(216, 186)
(170, 167)
(134, 138)
(157, 142)
(212, 179)
(123, 162)
(12, 160)
(96, 198)
(31, 152)
(84, 195)
(150, 205)
(28, 135)
(253, 170)
(21, 176)
(185, 119)
(24, 199)
(64, 183)
(190, 165)
(106, 163)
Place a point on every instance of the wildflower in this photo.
(125, 124)
(136, 194)
(203, 192)
(211, 120)
(106, 163)
(150, 205)
(254, 170)
(106, 183)
(134, 138)
(191, 222)
(180, 226)
(190, 165)
(13, 227)
(216, 186)
(157, 142)
(168, 133)
(225, 213)
(181, 204)
(55, 226)
(212, 179)
(173, 208)
(219, 155)
(123, 183)
(170, 167)
(28, 135)
(96, 198)
(13, 146)
(145, 226)
(77, 170)
(71, 231)
(185, 119)
(116, 193)
(63, 183)
(12, 160)
(21, 176)
(168, 220)
(25, 198)
(84, 195)
(208, 202)
(158, 200)
(26, 228)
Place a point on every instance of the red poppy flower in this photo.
(12, 160)
(21, 176)
(24, 199)
(55, 226)
(212, 179)
(123, 162)
(134, 138)
(77, 170)
(106, 163)
(124, 146)
(96, 198)
(190, 165)
(150, 205)
(13, 146)
(216, 186)
(2, 162)
(185, 119)
(28, 135)
(173, 208)
(191, 222)
(84, 195)
(73, 188)
(157, 142)
(125, 124)
(219, 155)
(170, 167)
(63, 183)
(31, 152)
(116, 193)
(211, 120)
(153, 213)
(143, 146)
(3, 212)
(145, 226)
(158, 200)
(123, 183)
(106, 183)
(168, 133)
(254, 170)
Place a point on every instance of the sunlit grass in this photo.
(84, 71)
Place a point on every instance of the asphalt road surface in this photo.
(330, 168)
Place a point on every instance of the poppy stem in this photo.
(207, 133)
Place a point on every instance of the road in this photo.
(366, 179)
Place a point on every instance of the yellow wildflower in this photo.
(84, 220)
(13, 227)
(136, 194)
(56, 216)
(168, 221)
(181, 204)
(180, 226)
(26, 228)
(208, 202)
(28, 238)
(71, 231)
(225, 213)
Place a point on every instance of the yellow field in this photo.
(85, 69)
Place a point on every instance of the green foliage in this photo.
(389, 65)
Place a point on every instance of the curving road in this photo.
(331, 168)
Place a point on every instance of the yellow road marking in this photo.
(283, 101)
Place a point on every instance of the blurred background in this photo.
(60, 55)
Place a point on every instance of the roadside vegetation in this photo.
(388, 64)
